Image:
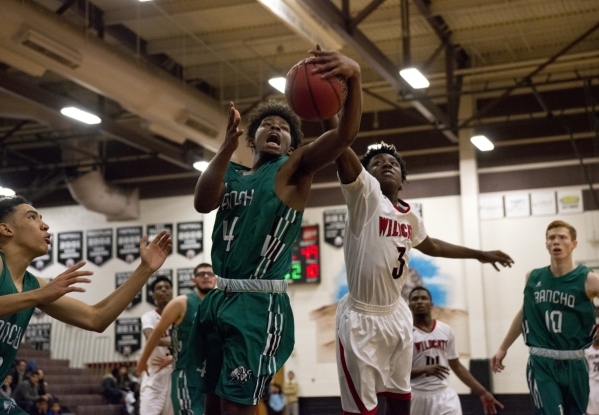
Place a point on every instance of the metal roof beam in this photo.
(379, 61)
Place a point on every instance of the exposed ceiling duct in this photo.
(32, 37)
(91, 191)
(12, 106)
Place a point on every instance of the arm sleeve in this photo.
(147, 322)
(419, 231)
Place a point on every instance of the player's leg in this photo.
(397, 385)
(577, 379)
(211, 405)
(356, 398)
(254, 349)
(545, 392)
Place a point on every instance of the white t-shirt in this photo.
(378, 239)
(434, 348)
(150, 320)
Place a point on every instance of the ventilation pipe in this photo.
(92, 192)
(32, 37)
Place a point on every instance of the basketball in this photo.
(311, 97)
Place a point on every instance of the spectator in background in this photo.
(18, 373)
(5, 389)
(26, 393)
(55, 408)
(110, 388)
(40, 407)
(41, 385)
(122, 378)
(276, 400)
(291, 390)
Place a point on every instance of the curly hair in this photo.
(8, 204)
(273, 107)
(381, 148)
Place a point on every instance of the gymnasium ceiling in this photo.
(160, 74)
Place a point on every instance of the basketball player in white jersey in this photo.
(434, 353)
(592, 356)
(374, 324)
(155, 389)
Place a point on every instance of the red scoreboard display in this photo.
(305, 262)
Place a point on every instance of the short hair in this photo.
(381, 148)
(160, 279)
(561, 224)
(423, 288)
(8, 205)
(41, 399)
(202, 265)
(274, 107)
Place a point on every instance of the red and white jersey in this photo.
(592, 356)
(378, 239)
(150, 320)
(436, 347)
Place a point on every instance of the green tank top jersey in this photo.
(558, 315)
(254, 230)
(12, 328)
(180, 332)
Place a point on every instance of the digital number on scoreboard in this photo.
(305, 263)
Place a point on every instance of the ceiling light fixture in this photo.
(200, 165)
(5, 191)
(482, 143)
(304, 22)
(278, 83)
(415, 78)
(80, 115)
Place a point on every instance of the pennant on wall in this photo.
(99, 246)
(70, 248)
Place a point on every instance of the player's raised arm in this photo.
(332, 143)
(210, 189)
(99, 316)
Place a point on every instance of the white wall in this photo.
(522, 238)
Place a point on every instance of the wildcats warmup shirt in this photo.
(434, 348)
(379, 236)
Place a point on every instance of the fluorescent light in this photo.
(80, 115)
(413, 77)
(482, 143)
(5, 191)
(305, 22)
(142, 1)
(278, 83)
(200, 165)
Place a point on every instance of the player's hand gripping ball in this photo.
(310, 96)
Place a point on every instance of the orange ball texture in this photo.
(310, 96)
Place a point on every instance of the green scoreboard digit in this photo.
(305, 262)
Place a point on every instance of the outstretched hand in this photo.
(494, 257)
(233, 131)
(489, 402)
(333, 63)
(63, 283)
(154, 253)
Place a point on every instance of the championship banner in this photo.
(334, 226)
(185, 282)
(190, 238)
(153, 230)
(38, 335)
(120, 278)
(43, 261)
(99, 246)
(127, 243)
(168, 273)
(70, 248)
(127, 335)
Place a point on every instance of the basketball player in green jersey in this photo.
(23, 237)
(557, 322)
(180, 314)
(245, 329)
